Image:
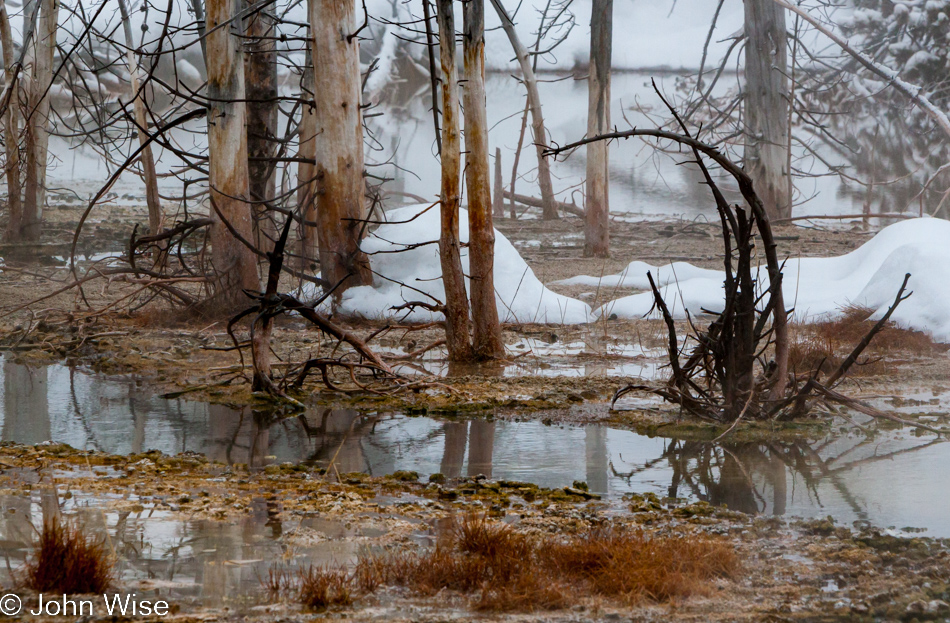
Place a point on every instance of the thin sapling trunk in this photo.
(152, 198)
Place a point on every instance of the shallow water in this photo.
(199, 562)
(895, 478)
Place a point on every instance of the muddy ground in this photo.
(547, 366)
(790, 571)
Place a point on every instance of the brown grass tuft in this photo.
(322, 587)
(67, 561)
(279, 582)
(828, 342)
(505, 570)
(632, 566)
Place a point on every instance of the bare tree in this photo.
(456, 302)
(481, 236)
(534, 104)
(42, 48)
(152, 198)
(766, 105)
(338, 167)
(260, 68)
(306, 151)
(11, 134)
(233, 260)
(597, 217)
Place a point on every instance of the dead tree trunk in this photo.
(37, 128)
(233, 261)
(11, 135)
(597, 215)
(534, 103)
(498, 199)
(338, 167)
(260, 70)
(766, 105)
(481, 232)
(306, 189)
(152, 198)
(456, 302)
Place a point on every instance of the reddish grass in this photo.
(67, 561)
(827, 343)
(632, 566)
(505, 570)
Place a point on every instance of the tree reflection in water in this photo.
(754, 477)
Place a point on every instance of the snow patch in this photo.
(818, 287)
(405, 251)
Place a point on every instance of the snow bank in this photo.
(819, 287)
(521, 296)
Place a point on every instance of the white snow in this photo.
(520, 294)
(819, 287)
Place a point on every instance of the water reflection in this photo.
(846, 474)
(201, 562)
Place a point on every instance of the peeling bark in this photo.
(597, 216)
(235, 264)
(152, 199)
(766, 105)
(456, 302)
(338, 168)
(481, 233)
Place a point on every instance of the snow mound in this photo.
(819, 288)
(395, 257)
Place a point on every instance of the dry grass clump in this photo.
(512, 571)
(322, 587)
(633, 567)
(316, 588)
(503, 570)
(825, 344)
(67, 561)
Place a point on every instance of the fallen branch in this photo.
(867, 409)
(534, 202)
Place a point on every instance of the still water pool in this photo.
(894, 478)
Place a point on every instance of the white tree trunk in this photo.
(152, 199)
(11, 137)
(338, 156)
(597, 215)
(235, 264)
(766, 105)
(37, 125)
